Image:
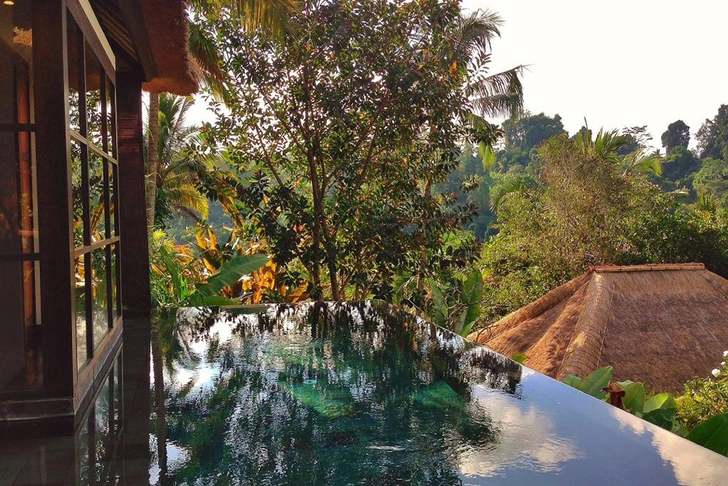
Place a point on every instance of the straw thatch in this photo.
(664, 324)
(151, 36)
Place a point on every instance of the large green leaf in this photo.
(662, 417)
(231, 271)
(634, 396)
(439, 309)
(472, 293)
(592, 384)
(178, 288)
(659, 401)
(713, 434)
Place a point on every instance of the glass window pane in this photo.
(106, 197)
(97, 217)
(74, 49)
(99, 293)
(19, 356)
(16, 62)
(114, 282)
(113, 197)
(93, 98)
(78, 153)
(110, 118)
(80, 294)
(16, 194)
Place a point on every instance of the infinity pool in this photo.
(340, 394)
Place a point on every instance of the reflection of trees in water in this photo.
(297, 397)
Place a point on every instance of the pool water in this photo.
(327, 395)
(339, 394)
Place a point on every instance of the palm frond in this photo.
(497, 94)
(639, 161)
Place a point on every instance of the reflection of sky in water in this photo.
(689, 468)
(527, 438)
(577, 439)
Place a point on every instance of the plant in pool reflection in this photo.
(318, 396)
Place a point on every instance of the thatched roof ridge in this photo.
(664, 324)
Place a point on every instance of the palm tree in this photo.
(270, 16)
(491, 95)
(177, 168)
(466, 48)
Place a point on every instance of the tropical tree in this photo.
(676, 135)
(342, 132)
(268, 16)
(713, 136)
(586, 207)
(174, 180)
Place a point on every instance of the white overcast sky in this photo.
(617, 63)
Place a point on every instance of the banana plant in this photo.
(460, 315)
(228, 274)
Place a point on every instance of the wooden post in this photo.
(54, 198)
(135, 294)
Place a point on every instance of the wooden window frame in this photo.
(91, 38)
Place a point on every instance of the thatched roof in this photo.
(150, 37)
(664, 324)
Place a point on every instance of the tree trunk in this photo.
(316, 293)
(423, 250)
(152, 157)
(331, 263)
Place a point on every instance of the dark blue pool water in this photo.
(342, 394)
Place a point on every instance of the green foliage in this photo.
(587, 207)
(701, 409)
(519, 357)
(340, 135)
(456, 306)
(634, 396)
(713, 136)
(178, 279)
(522, 136)
(679, 164)
(658, 409)
(713, 434)
(593, 384)
(676, 135)
(470, 183)
(230, 272)
(711, 180)
(529, 131)
(703, 398)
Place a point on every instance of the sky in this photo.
(617, 63)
